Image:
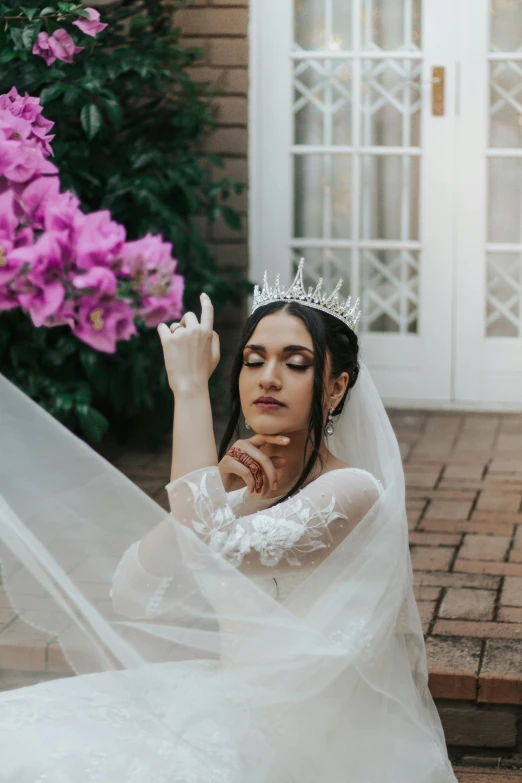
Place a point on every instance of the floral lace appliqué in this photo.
(282, 532)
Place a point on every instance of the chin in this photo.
(272, 425)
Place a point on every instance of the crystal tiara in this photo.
(314, 298)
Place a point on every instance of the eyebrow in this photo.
(287, 349)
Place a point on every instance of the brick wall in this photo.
(221, 28)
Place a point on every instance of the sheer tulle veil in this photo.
(345, 645)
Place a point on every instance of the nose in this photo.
(270, 378)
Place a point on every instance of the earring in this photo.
(247, 425)
(329, 429)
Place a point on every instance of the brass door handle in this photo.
(437, 81)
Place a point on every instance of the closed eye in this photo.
(300, 367)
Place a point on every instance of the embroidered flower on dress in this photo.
(281, 532)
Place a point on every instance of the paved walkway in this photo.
(464, 498)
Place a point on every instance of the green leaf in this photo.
(93, 424)
(47, 10)
(30, 34)
(113, 111)
(84, 13)
(72, 95)
(91, 119)
(16, 35)
(231, 218)
(29, 12)
(6, 56)
(51, 92)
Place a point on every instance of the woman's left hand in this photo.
(190, 349)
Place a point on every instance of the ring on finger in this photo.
(174, 326)
(250, 463)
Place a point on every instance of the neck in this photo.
(295, 457)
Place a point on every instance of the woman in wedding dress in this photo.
(265, 631)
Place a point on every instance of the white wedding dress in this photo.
(245, 644)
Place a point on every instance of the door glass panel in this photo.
(390, 197)
(506, 25)
(391, 24)
(505, 114)
(504, 301)
(504, 251)
(505, 199)
(322, 101)
(391, 102)
(323, 205)
(323, 24)
(391, 290)
(366, 192)
(326, 262)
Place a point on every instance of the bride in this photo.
(265, 631)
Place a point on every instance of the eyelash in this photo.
(299, 367)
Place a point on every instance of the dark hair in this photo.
(329, 334)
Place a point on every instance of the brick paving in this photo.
(464, 502)
(464, 499)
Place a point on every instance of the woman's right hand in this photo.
(236, 475)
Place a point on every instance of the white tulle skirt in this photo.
(180, 722)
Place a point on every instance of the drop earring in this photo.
(247, 425)
(329, 429)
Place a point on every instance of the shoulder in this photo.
(352, 477)
(355, 490)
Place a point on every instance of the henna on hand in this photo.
(250, 463)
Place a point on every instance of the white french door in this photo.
(378, 153)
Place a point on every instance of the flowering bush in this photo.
(131, 125)
(64, 267)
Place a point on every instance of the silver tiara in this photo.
(314, 298)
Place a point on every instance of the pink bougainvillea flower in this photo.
(25, 236)
(58, 46)
(8, 218)
(162, 300)
(98, 240)
(9, 266)
(46, 277)
(29, 109)
(12, 260)
(100, 279)
(8, 298)
(37, 199)
(26, 107)
(63, 46)
(79, 264)
(91, 26)
(64, 316)
(14, 128)
(167, 307)
(21, 160)
(102, 322)
(42, 49)
(145, 254)
(62, 212)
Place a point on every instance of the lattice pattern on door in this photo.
(504, 247)
(357, 148)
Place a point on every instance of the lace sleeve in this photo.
(296, 532)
